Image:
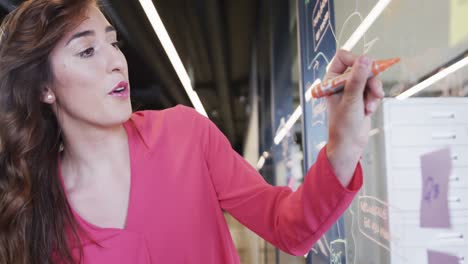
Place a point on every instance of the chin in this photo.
(124, 114)
(120, 115)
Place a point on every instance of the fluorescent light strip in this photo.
(374, 132)
(366, 23)
(434, 78)
(168, 46)
(260, 163)
(262, 160)
(281, 134)
(289, 124)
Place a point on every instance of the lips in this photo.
(121, 87)
(121, 90)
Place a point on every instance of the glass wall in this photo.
(413, 207)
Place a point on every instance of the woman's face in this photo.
(90, 75)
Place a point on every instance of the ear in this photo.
(47, 96)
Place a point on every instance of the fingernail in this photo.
(365, 61)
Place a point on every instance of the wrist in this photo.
(343, 159)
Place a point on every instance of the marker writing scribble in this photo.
(320, 12)
(432, 190)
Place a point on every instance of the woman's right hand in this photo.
(349, 112)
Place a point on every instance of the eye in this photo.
(117, 45)
(87, 53)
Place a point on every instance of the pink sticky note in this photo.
(435, 257)
(436, 168)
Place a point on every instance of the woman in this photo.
(147, 187)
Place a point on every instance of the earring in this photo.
(50, 97)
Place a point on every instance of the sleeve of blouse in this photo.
(292, 221)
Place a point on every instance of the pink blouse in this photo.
(184, 173)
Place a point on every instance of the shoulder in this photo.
(179, 121)
(149, 115)
(178, 115)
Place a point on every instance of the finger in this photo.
(371, 106)
(375, 87)
(356, 84)
(373, 95)
(342, 60)
(371, 101)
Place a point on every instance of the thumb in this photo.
(359, 74)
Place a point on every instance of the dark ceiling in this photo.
(214, 39)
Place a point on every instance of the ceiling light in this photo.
(166, 42)
(260, 163)
(289, 124)
(434, 78)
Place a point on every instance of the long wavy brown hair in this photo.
(36, 221)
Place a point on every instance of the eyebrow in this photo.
(87, 33)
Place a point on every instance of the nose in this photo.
(116, 60)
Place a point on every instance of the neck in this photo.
(90, 151)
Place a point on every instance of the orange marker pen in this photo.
(337, 84)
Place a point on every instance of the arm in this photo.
(292, 221)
